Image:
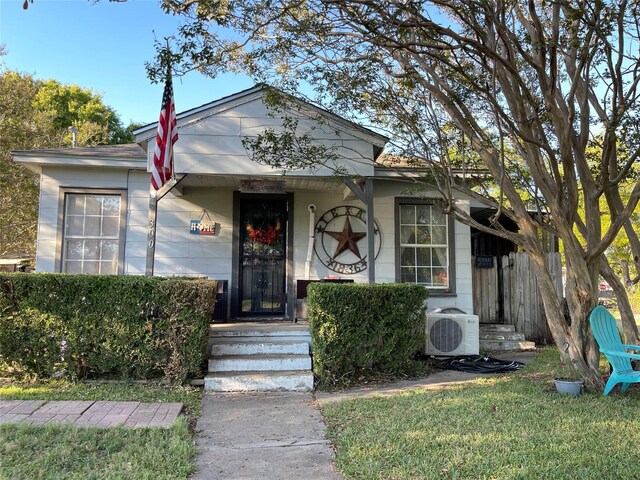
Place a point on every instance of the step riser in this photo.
(490, 328)
(506, 345)
(289, 362)
(260, 348)
(260, 339)
(501, 337)
(261, 383)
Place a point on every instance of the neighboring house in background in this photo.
(230, 218)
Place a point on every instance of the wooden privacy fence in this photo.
(505, 290)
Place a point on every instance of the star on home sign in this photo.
(347, 239)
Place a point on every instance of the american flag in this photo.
(162, 168)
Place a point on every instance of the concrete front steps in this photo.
(497, 337)
(259, 357)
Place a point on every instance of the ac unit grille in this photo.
(445, 335)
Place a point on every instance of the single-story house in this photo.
(262, 229)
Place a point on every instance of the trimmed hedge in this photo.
(362, 331)
(105, 326)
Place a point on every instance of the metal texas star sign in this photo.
(338, 232)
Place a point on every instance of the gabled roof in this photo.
(148, 131)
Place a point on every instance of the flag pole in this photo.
(162, 172)
(151, 232)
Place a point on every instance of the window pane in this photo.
(74, 250)
(110, 226)
(438, 217)
(424, 257)
(439, 257)
(73, 267)
(92, 267)
(423, 214)
(75, 204)
(111, 206)
(108, 268)
(424, 235)
(74, 226)
(407, 235)
(407, 256)
(424, 275)
(92, 226)
(93, 205)
(408, 274)
(92, 250)
(407, 214)
(109, 250)
(440, 277)
(439, 235)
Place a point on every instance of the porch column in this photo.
(365, 194)
(371, 240)
(154, 196)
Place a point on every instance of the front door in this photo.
(262, 256)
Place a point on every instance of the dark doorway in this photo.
(262, 256)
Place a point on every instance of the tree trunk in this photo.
(583, 351)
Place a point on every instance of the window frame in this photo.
(433, 291)
(64, 192)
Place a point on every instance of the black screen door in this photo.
(262, 279)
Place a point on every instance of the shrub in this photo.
(93, 325)
(362, 331)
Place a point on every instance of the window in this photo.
(91, 235)
(424, 246)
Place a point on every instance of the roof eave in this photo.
(36, 160)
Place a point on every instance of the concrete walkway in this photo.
(273, 435)
(251, 436)
(90, 413)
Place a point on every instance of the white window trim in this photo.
(434, 291)
(63, 192)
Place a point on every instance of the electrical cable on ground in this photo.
(479, 364)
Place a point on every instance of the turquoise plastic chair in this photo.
(605, 330)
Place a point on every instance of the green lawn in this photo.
(509, 427)
(67, 452)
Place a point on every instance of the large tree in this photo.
(33, 115)
(524, 85)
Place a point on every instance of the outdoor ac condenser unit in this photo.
(451, 334)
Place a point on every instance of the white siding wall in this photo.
(385, 193)
(180, 253)
(213, 144)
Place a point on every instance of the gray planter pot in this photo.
(569, 387)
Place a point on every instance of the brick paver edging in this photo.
(89, 413)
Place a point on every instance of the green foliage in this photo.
(92, 325)
(35, 115)
(83, 108)
(361, 331)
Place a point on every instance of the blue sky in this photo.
(102, 46)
